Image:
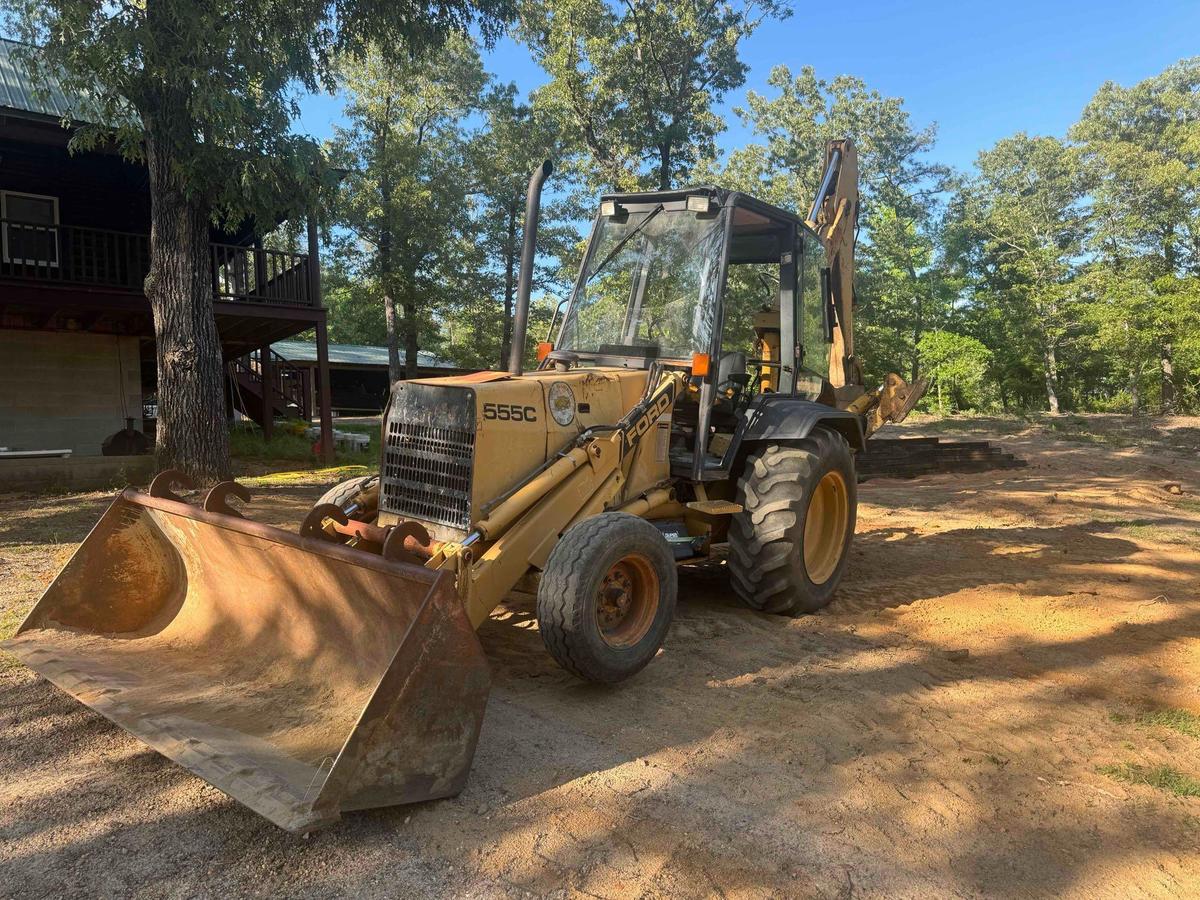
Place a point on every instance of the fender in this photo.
(780, 417)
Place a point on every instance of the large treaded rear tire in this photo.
(569, 611)
(344, 492)
(767, 564)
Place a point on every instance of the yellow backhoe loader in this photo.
(700, 397)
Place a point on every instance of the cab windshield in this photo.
(649, 286)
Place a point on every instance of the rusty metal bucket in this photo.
(303, 678)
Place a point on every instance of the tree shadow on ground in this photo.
(756, 753)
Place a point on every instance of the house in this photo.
(77, 357)
(358, 373)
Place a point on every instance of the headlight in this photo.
(562, 403)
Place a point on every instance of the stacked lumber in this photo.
(911, 457)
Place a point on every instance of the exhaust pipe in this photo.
(533, 207)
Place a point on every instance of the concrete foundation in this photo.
(75, 473)
(67, 391)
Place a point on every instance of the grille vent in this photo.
(427, 469)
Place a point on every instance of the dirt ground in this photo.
(998, 703)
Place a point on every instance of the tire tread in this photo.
(763, 538)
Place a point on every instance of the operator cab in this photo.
(728, 287)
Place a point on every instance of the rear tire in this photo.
(607, 597)
(345, 493)
(789, 547)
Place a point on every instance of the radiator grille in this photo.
(427, 468)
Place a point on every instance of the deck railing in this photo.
(97, 257)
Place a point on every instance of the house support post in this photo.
(314, 281)
(266, 369)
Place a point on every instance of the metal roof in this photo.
(351, 355)
(20, 93)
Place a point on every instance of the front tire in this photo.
(361, 494)
(607, 597)
(789, 546)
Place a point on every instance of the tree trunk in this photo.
(510, 262)
(1166, 365)
(387, 282)
(411, 337)
(1050, 372)
(918, 324)
(395, 370)
(193, 430)
(384, 248)
(1135, 391)
(664, 167)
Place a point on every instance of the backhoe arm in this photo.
(834, 217)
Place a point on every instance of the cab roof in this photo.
(723, 196)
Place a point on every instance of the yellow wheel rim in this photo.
(627, 601)
(825, 527)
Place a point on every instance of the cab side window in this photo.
(750, 289)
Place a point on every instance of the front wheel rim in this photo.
(825, 527)
(627, 601)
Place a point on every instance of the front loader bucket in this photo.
(301, 677)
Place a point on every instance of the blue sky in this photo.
(982, 71)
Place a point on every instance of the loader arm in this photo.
(520, 532)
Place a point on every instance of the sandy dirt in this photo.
(948, 727)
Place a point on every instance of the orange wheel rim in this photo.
(627, 601)
(825, 527)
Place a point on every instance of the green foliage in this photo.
(355, 308)
(1141, 152)
(403, 200)
(1074, 263)
(205, 91)
(1187, 723)
(902, 288)
(1164, 778)
(515, 139)
(437, 159)
(634, 86)
(217, 83)
(246, 443)
(805, 113)
(1016, 228)
(957, 365)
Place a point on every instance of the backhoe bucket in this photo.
(301, 677)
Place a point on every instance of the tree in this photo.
(957, 365)
(516, 138)
(1141, 147)
(637, 83)
(355, 310)
(405, 194)
(1020, 224)
(205, 91)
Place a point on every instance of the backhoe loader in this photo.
(699, 399)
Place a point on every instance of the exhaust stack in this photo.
(533, 207)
